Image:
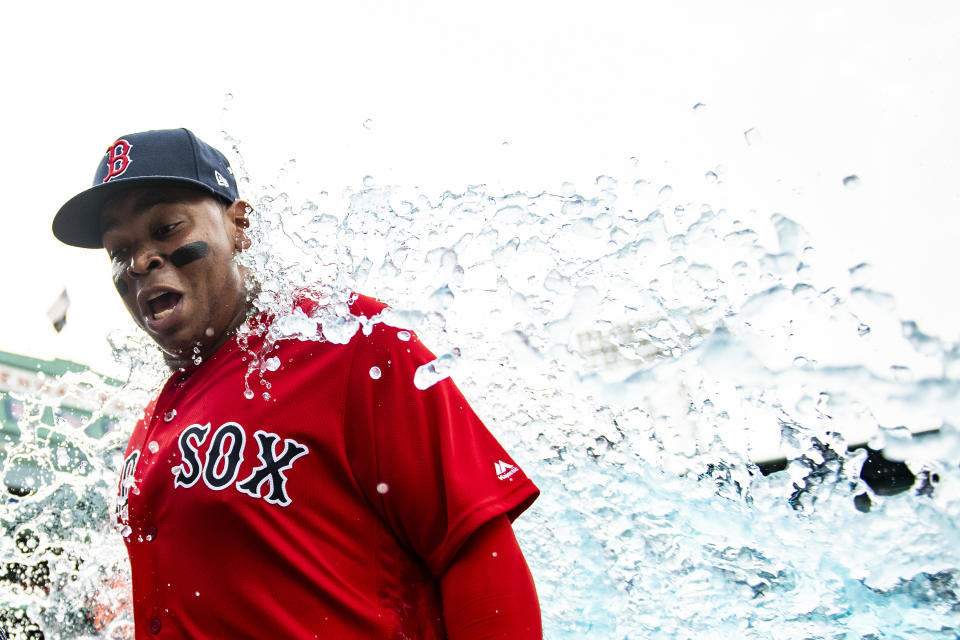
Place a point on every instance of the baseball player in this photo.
(343, 503)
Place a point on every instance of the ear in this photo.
(237, 214)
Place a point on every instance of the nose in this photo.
(143, 262)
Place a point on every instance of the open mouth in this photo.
(163, 304)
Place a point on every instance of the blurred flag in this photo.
(57, 313)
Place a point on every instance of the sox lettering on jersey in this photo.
(224, 457)
(271, 468)
(190, 440)
(118, 159)
(219, 455)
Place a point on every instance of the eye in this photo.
(166, 229)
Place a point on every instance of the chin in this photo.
(174, 353)
(175, 348)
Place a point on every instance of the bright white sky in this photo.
(575, 88)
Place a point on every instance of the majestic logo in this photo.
(504, 469)
(118, 159)
(224, 457)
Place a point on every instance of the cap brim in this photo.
(77, 222)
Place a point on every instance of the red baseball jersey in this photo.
(328, 510)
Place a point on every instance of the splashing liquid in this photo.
(637, 354)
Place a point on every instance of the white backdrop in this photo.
(513, 95)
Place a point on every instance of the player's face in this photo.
(172, 255)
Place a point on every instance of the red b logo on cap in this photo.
(118, 159)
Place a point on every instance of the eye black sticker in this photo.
(189, 253)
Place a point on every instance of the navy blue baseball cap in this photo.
(166, 157)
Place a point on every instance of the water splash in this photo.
(637, 353)
(433, 372)
(64, 564)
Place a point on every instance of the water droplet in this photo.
(153, 446)
(375, 373)
(568, 189)
(248, 394)
(272, 364)
(851, 182)
(752, 136)
(170, 415)
(442, 298)
(149, 537)
(196, 593)
(433, 372)
(368, 181)
(403, 335)
(699, 106)
(266, 396)
(494, 554)
(606, 182)
(126, 531)
(228, 97)
(209, 332)
(368, 124)
(382, 488)
(665, 191)
(710, 177)
(863, 329)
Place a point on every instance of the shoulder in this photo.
(311, 303)
(380, 333)
(374, 334)
(383, 346)
(362, 305)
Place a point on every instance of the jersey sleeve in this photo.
(423, 458)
